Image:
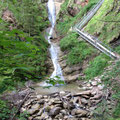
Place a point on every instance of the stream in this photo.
(54, 51)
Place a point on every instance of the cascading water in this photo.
(53, 50)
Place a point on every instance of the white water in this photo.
(53, 50)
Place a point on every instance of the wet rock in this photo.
(55, 111)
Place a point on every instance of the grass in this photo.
(107, 31)
(111, 80)
(96, 66)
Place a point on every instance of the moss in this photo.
(102, 23)
(67, 20)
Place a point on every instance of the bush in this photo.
(69, 41)
(4, 111)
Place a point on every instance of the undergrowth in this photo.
(77, 50)
(111, 79)
(23, 49)
(96, 66)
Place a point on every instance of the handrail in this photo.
(89, 15)
(96, 43)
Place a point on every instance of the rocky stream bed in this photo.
(63, 105)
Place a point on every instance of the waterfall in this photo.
(53, 50)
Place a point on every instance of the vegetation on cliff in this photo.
(105, 26)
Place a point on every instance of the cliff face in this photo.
(104, 26)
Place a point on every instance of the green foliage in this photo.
(96, 67)
(77, 50)
(69, 41)
(54, 82)
(66, 21)
(111, 79)
(23, 116)
(117, 49)
(23, 50)
(4, 110)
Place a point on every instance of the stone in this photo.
(65, 105)
(45, 96)
(83, 93)
(84, 101)
(94, 83)
(100, 87)
(39, 97)
(88, 85)
(35, 108)
(96, 97)
(41, 101)
(62, 93)
(73, 11)
(44, 116)
(59, 116)
(68, 70)
(23, 109)
(47, 108)
(40, 112)
(81, 112)
(71, 78)
(64, 112)
(63, 64)
(55, 111)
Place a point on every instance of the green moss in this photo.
(107, 31)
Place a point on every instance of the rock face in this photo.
(81, 2)
(61, 106)
(70, 73)
(73, 11)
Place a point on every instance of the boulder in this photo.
(55, 111)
